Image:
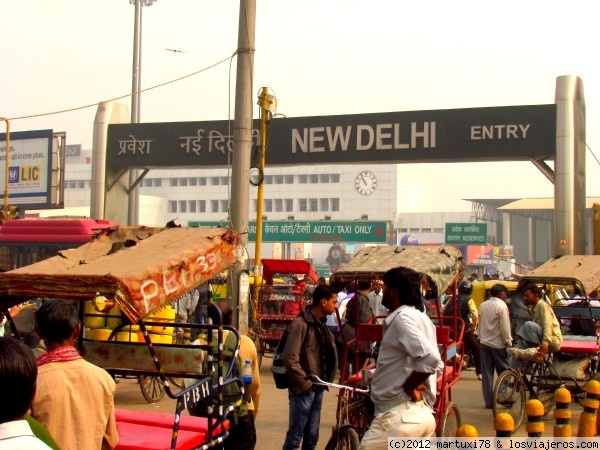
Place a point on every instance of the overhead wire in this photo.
(77, 108)
(590, 149)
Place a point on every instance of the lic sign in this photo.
(13, 174)
(24, 174)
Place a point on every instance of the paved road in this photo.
(273, 416)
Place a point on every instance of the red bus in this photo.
(27, 241)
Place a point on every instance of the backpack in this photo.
(463, 310)
(231, 391)
(280, 375)
(579, 324)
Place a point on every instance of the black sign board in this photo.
(454, 135)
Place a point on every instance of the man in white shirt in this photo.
(403, 389)
(375, 297)
(18, 374)
(494, 338)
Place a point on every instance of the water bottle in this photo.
(247, 372)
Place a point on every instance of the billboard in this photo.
(478, 255)
(31, 160)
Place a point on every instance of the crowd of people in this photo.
(61, 401)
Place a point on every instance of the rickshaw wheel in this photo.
(345, 439)
(152, 388)
(450, 421)
(509, 396)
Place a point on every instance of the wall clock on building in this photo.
(365, 183)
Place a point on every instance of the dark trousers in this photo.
(242, 436)
(472, 346)
(492, 360)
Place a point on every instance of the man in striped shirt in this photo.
(74, 399)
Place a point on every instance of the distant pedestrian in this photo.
(519, 312)
(358, 311)
(375, 297)
(468, 312)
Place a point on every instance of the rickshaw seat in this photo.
(151, 430)
(442, 333)
(368, 332)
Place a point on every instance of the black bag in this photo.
(279, 371)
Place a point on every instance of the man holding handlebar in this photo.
(403, 389)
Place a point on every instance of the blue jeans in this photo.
(304, 421)
(492, 360)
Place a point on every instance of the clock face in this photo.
(365, 183)
(256, 176)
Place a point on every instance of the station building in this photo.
(368, 193)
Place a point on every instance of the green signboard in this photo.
(357, 231)
(323, 271)
(466, 233)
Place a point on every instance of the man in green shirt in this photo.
(543, 331)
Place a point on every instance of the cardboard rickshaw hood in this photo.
(442, 263)
(569, 269)
(141, 268)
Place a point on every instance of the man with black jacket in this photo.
(468, 312)
(309, 350)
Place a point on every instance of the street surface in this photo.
(273, 414)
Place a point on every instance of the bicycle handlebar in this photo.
(316, 380)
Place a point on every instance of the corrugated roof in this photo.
(497, 202)
(541, 203)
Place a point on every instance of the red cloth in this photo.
(66, 353)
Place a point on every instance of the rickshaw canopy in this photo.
(442, 263)
(141, 268)
(573, 269)
(295, 266)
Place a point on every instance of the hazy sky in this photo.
(319, 57)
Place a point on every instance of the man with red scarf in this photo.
(74, 399)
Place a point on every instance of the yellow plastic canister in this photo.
(113, 317)
(126, 336)
(167, 315)
(101, 334)
(92, 318)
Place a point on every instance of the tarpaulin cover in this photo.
(294, 266)
(441, 263)
(569, 269)
(140, 268)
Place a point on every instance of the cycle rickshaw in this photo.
(142, 270)
(441, 266)
(279, 303)
(565, 280)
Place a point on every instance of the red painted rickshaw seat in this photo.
(140, 430)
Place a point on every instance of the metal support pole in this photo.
(133, 202)
(569, 187)
(265, 100)
(242, 147)
(6, 164)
